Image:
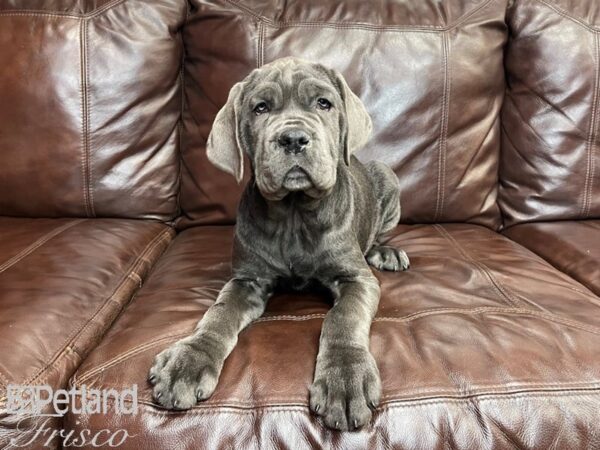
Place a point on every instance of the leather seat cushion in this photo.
(62, 284)
(481, 343)
(571, 246)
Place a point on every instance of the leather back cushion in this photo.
(550, 168)
(90, 100)
(430, 74)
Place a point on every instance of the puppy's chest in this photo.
(304, 268)
(301, 255)
(303, 249)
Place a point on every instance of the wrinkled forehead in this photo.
(291, 80)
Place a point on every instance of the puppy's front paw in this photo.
(388, 258)
(346, 388)
(183, 374)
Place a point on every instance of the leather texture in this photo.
(550, 166)
(571, 246)
(430, 74)
(477, 346)
(91, 102)
(482, 344)
(69, 7)
(62, 283)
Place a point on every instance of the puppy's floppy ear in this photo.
(358, 122)
(224, 147)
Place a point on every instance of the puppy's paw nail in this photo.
(152, 378)
(372, 404)
(317, 408)
(158, 395)
(355, 424)
(337, 424)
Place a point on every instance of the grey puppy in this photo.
(311, 217)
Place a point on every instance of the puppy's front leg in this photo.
(188, 371)
(346, 384)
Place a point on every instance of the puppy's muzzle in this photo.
(294, 141)
(297, 180)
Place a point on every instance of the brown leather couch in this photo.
(115, 231)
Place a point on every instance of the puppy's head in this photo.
(296, 121)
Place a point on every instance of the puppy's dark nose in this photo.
(294, 140)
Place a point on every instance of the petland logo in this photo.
(42, 402)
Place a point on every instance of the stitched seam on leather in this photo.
(88, 135)
(502, 290)
(83, 94)
(439, 311)
(37, 244)
(124, 356)
(523, 391)
(132, 275)
(591, 144)
(105, 8)
(507, 311)
(260, 45)
(492, 396)
(85, 133)
(58, 14)
(216, 409)
(140, 348)
(509, 97)
(517, 387)
(441, 179)
(73, 336)
(482, 268)
(498, 426)
(536, 258)
(481, 390)
(566, 15)
(181, 112)
(511, 311)
(359, 25)
(515, 300)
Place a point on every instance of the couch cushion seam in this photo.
(420, 395)
(31, 248)
(518, 299)
(441, 178)
(415, 316)
(88, 135)
(591, 144)
(570, 17)
(78, 331)
(358, 25)
(260, 45)
(482, 268)
(539, 258)
(47, 15)
(84, 125)
(77, 379)
(75, 335)
(181, 114)
(58, 14)
(393, 404)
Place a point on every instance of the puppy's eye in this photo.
(261, 108)
(324, 104)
